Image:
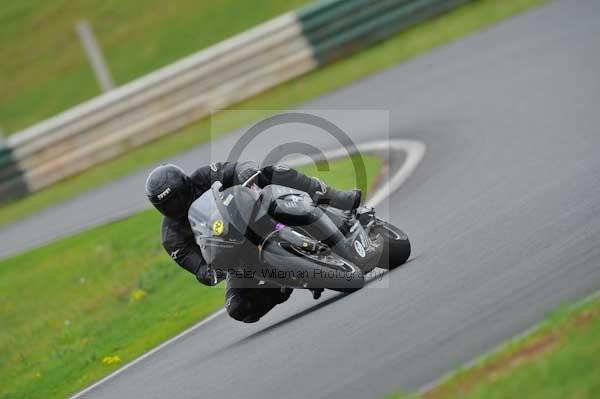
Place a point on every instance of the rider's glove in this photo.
(209, 276)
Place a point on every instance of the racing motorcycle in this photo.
(283, 236)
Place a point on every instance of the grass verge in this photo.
(560, 359)
(448, 27)
(75, 310)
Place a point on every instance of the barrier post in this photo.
(94, 54)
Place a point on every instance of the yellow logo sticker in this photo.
(217, 227)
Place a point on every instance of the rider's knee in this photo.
(283, 295)
(240, 309)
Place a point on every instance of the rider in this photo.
(172, 192)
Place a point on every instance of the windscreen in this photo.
(206, 220)
(240, 203)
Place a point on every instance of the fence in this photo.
(228, 72)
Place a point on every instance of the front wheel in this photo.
(312, 270)
(396, 246)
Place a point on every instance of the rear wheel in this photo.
(396, 246)
(324, 269)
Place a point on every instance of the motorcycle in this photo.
(283, 236)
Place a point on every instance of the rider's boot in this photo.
(344, 200)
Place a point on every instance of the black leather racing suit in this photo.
(245, 301)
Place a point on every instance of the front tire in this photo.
(327, 270)
(396, 245)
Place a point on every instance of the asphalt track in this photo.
(503, 211)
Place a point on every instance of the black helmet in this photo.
(170, 190)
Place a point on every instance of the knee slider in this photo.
(240, 309)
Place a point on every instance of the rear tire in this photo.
(396, 246)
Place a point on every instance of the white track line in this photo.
(415, 150)
(151, 352)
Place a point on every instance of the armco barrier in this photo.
(12, 184)
(228, 72)
(336, 28)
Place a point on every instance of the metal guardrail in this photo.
(12, 185)
(228, 72)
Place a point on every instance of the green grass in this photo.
(110, 291)
(460, 22)
(560, 360)
(44, 69)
